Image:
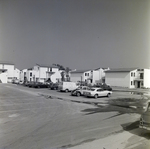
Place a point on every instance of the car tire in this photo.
(78, 94)
(95, 96)
(66, 90)
(108, 95)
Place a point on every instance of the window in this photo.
(134, 74)
(50, 69)
(131, 82)
(131, 74)
(30, 74)
(99, 90)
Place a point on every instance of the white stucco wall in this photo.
(98, 75)
(22, 74)
(3, 77)
(134, 75)
(84, 77)
(17, 73)
(121, 79)
(56, 76)
(75, 77)
(31, 77)
(42, 74)
(10, 70)
(146, 81)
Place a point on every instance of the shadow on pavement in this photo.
(134, 129)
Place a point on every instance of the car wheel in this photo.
(95, 96)
(66, 90)
(108, 95)
(78, 94)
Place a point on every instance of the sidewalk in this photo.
(123, 140)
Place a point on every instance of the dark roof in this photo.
(48, 66)
(100, 68)
(80, 71)
(30, 68)
(120, 70)
(7, 63)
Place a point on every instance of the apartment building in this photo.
(128, 77)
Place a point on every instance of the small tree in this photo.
(67, 73)
(62, 76)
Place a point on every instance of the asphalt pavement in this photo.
(44, 119)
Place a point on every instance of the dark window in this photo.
(131, 82)
(131, 74)
(50, 69)
(141, 76)
(30, 74)
(99, 90)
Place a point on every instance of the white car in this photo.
(79, 91)
(97, 92)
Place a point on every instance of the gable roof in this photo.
(7, 63)
(80, 71)
(30, 69)
(48, 66)
(121, 70)
(101, 68)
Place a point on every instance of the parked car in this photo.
(38, 85)
(145, 118)
(67, 86)
(26, 83)
(15, 81)
(104, 86)
(97, 92)
(79, 91)
(29, 84)
(20, 82)
(53, 86)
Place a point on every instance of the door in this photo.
(138, 84)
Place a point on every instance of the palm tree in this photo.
(67, 70)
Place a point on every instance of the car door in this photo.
(100, 92)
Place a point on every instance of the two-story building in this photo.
(91, 76)
(128, 77)
(41, 73)
(23, 75)
(9, 69)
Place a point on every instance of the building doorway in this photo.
(138, 84)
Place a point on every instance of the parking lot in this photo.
(41, 118)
